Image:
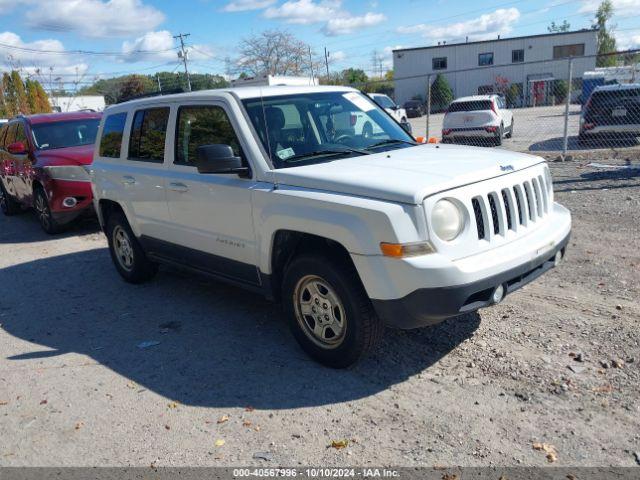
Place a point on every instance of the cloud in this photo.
(159, 46)
(627, 40)
(346, 25)
(483, 27)
(304, 11)
(95, 18)
(244, 5)
(620, 7)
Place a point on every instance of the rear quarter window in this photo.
(112, 132)
(148, 134)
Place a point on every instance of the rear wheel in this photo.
(43, 211)
(510, 134)
(7, 204)
(126, 252)
(367, 130)
(329, 312)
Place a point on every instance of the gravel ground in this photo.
(554, 367)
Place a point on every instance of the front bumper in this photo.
(429, 306)
(58, 190)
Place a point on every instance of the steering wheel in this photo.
(341, 138)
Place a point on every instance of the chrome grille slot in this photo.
(477, 210)
(519, 202)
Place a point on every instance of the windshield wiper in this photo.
(390, 141)
(326, 152)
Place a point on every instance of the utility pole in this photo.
(183, 54)
(326, 61)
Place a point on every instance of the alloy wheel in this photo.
(42, 210)
(123, 248)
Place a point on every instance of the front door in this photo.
(211, 214)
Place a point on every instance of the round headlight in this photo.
(447, 220)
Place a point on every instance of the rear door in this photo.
(131, 162)
(23, 166)
(9, 161)
(470, 114)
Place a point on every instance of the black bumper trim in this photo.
(429, 306)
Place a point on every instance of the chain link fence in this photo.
(559, 106)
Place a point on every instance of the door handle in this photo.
(178, 187)
(128, 180)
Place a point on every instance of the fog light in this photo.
(557, 259)
(69, 202)
(498, 294)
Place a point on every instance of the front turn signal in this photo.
(401, 250)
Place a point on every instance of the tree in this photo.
(274, 52)
(606, 40)
(132, 86)
(9, 96)
(560, 90)
(20, 95)
(557, 28)
(44, 106)
(441, 93)
(32, 96)
(353, 76)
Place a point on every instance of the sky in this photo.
(82, 40)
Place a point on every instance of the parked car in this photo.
(398, 113)
(481, 117)
(415, 108)
(612, 112)
(256, 186)
(42, 165)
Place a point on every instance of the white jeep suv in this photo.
(257, 187)
(481, 117)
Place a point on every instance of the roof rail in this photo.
(153, 94)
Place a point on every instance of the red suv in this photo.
(42, 159)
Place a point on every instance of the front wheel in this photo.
(43, 211)
(499, 135)
(126, 252)
(329, 312)
(510, 134)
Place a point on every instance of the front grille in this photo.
(511, 208)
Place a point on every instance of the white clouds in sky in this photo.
(159, 46)
(245, 5)
(499, 22)
(346, 25)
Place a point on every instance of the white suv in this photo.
(257, 187)
(482, 117)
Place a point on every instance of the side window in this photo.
(148, 133)
(11, 135)
(111, 139)
(3, 134)
(202, 125)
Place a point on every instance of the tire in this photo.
(353, 328)
(510, 134)
(126, 252)
(7, 204)
(43, 212)
(499, 135)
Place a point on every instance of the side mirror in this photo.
(17, 148)
(219, 159)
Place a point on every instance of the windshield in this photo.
(318, 127)
(383, 101)
(73, 133)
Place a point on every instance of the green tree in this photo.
(557, 28)
(10, 101)
(560, 90)
(132, 86)
(606, 40)
(32, 96)
(44, 106)
(441, 93)
(352, 76)
(22, 102)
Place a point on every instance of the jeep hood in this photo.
(78, 155)
(407, 175)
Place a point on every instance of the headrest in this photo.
(275, 118)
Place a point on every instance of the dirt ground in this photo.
(556, 364)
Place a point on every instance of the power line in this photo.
(83, 52)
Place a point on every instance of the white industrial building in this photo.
(472, 68)
(77, 103)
